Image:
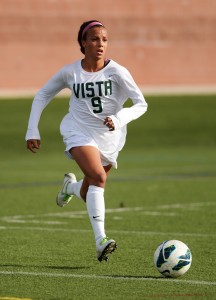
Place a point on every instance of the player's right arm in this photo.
(41, 100)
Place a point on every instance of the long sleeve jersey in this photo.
(94, 96)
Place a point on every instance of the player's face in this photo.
(96, 43)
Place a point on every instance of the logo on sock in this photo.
(95, 217)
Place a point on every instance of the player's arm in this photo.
(139, 107)
(41, 100)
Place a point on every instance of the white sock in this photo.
(96, 210)
(74, 188)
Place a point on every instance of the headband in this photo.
(90, 25)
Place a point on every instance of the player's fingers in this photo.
(30, 146)
(106, 120)
(33, 144)
(37, 144)
(109, 123)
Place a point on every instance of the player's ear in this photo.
(83, 42)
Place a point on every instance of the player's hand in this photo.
(109, 123)
(33, 145)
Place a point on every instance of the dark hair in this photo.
(83, 37)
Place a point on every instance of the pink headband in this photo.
(89, 26)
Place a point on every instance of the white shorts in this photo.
(108, 143)
(76, 140)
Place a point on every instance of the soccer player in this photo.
(94, 130)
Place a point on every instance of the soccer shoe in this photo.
(63, 198)
(104, 248)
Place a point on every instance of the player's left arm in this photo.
(132, 91)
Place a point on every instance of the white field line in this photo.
(149, 211)
(22, 219)
(121, 232)
(193, 206)
(105, 277)
(26, 219)
(154, 212)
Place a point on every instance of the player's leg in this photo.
(85, 183)
(79, 188)
(73, 187)
(89, 161)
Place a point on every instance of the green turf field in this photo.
(164, 188)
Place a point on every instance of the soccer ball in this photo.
(172, 258)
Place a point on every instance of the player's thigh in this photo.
(88, 159)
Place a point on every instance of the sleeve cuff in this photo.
(32, 135)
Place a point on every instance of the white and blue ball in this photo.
(172, 258)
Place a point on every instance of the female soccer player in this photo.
(94, 130)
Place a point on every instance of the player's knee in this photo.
(98, 179)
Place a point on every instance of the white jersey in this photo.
(95, 96)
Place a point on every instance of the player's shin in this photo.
(96, 210)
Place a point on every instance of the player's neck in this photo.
(90, 65)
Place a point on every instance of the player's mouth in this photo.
(100, 51)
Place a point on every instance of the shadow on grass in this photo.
(136, 277)
(48, 267)
(66, 267)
